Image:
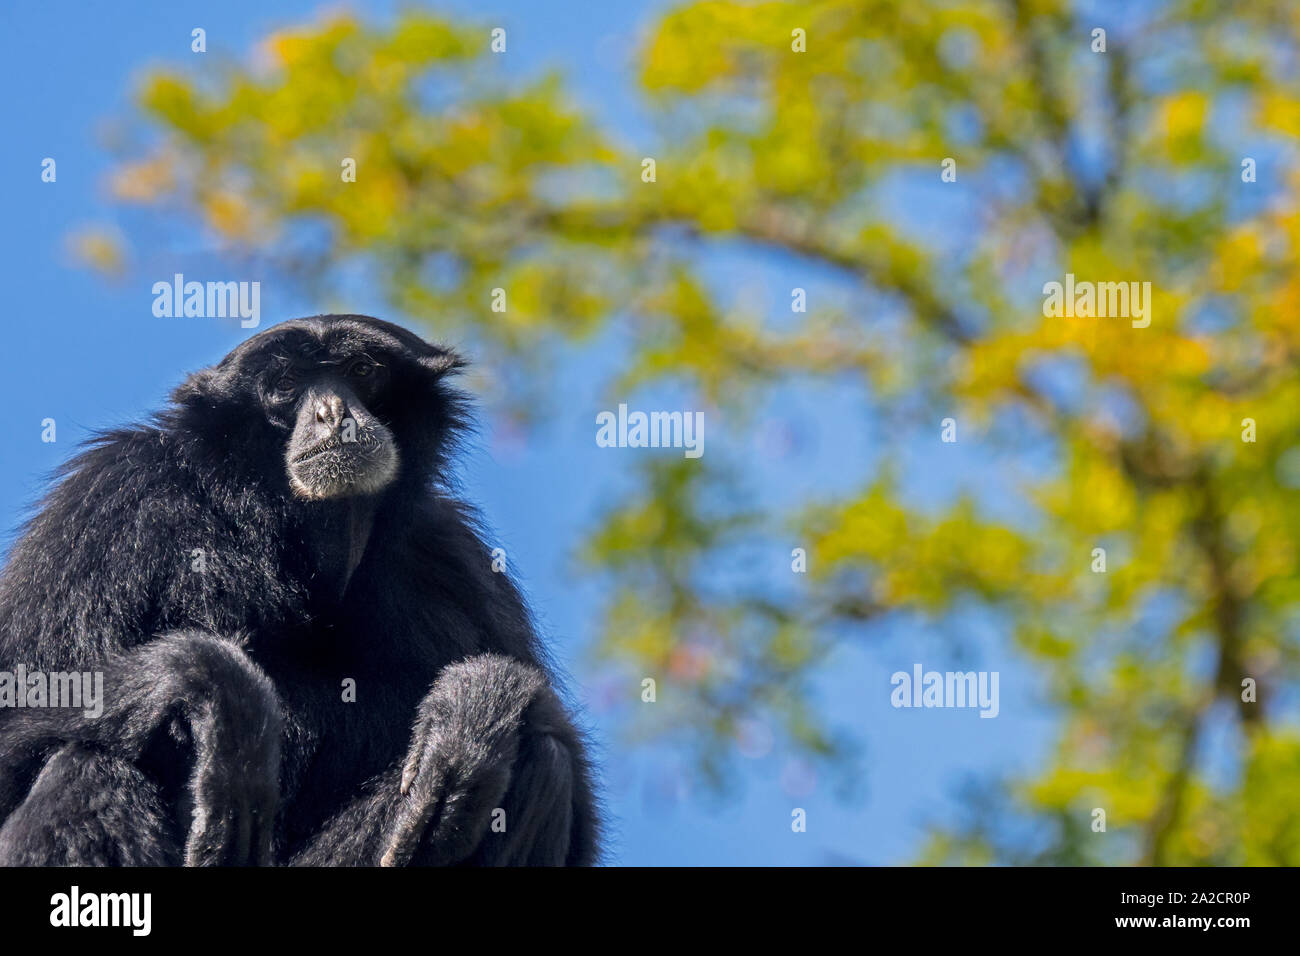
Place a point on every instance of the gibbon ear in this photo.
(441, 361)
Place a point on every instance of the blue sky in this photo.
(89, 353)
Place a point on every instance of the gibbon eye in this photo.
(361, 368)
(285, 386)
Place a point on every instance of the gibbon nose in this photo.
(331, 410)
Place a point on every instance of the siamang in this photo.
(308, 656)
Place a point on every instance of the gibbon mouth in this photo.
(335, 443)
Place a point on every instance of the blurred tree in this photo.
(1115, 164)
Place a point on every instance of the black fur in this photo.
(226, 610)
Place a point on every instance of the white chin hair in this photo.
(346, 482)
